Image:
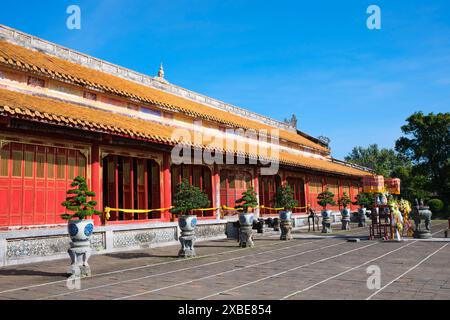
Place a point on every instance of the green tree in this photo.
(187, 198)
(344, 200)
(284, 198)
(381, 161)
(326, 198)
(247, 201)
(413, 184)
(77, 201)
(427, 144)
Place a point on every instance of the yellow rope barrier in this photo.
(108, 210)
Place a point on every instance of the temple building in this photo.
(65, 114)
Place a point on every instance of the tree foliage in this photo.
(326, 198)
(187, 198)
(427, 144)
(284, 198)
(247, 201)
(365, 200)
(77, 201)
(383, 161)
(345, 200)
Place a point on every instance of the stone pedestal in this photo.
(187, 240)
(326, 225)
(286, 228)
(79, 253)
(422, 220)
(362, 217)
(246, 236)
(345, 223)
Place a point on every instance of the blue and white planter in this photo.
(285, 215)
(246, 219)
(345, 219)
(326, 214)
(326, 221)
(285, 224)
(245, 230)
(80, 230)
(187, 223)
(362, 217)
(345, 214)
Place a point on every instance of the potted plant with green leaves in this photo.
(364, 200)
(246, 204)
(324, 199)
(80, 226)
(186, 199)
(344, 201)
(284, 198)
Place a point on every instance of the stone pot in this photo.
(187, 224)
(285, 224)
(245, 231)
(361, 217)
(326, 221)
(422, 220)
(345, 219)
(80, 232)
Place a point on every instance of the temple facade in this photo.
(65, 114)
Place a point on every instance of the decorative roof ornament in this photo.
(160, 76)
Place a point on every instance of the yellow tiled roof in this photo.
(29, 107)
(34, 61)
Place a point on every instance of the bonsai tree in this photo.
(77, 201)
(344, 200)
(187, 198)
(364, 200)
(326, 198)
(284, 198)
(247, 201)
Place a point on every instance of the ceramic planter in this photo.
(285, 215)
(245, 230)
(361, 217)
(80, 232)
(285, 225)
(326, 221)
(187, 224)
(345, 219)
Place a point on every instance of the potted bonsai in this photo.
(324, 199)
(80, 226)
(344, 201)
(186, 199)
(247, 203)
(284, 198)
(364, 200)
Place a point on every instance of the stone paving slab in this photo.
(271, 270)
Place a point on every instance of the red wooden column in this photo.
(167, 185)
(216, 190)
(306, 189)
(95, 181)
(256, 188)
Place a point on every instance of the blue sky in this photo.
(316, 59)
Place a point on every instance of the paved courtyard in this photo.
(309, 267)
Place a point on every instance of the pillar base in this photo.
(286, 228)
(187, 240)
(246, 237)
